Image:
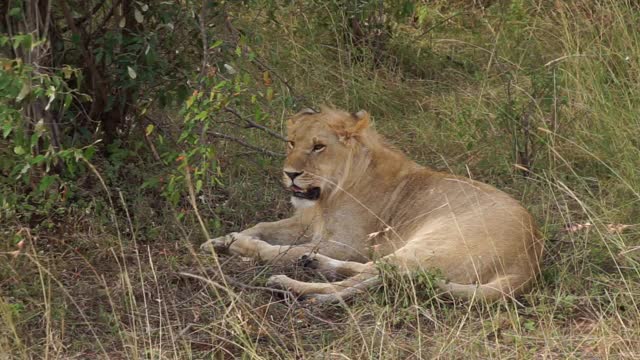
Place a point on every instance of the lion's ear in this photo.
(362, 119)
(306, 111)
(362, 122)
(300, 114)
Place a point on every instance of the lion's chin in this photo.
(299, 203)
(304, 198)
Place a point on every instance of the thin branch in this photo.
(95, 76)
(203, 34)
(91, 13)
(152, 147)
(242, 285)
(39, 112)
(194, 203)
(328, 322)
(245, 144)
(102, 28)
(251, 124)
(47, 21)
(263, 66)
(234, 282)
(427, 31)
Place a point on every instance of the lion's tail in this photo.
(504, 287)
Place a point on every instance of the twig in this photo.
(156, 156)
(102, 27)
(214, 284)
(232, 281)
(80, 21)
(263, 66)
(203, 35)
(252, 124)
(245, 144)
(328, 322)
(239, 284)
(39, 112)
(96, 79)
(635, 248)
(205, 232)
(194, 204)
(266, 67)
(440, 23)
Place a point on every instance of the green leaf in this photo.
(27, 41)
(149, 129)
(215, 44)
(38, 43)
(24, 91)
(229, 69)
(46, 182)
(529, 325)
(67, 71)
(88, 152)
(15, 12)
(6, 130)
(138, 15)
(17, 39)
(19, 150)
(67, 101)
(25, 168)
(198, 186)
(132, 73)
(190, 101)
(38, 160)
(51, 93)
(39, 127)
(75, 39)
(78, 155)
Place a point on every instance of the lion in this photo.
(359, 201)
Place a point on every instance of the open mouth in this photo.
(308, 194)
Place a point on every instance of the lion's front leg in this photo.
(248, 246)
(292, 231)
(327, 292)
(330, 268)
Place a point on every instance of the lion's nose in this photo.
(292, 175)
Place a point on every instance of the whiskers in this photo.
(305, 181)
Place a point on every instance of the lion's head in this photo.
(320, 149)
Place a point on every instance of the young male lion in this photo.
(358, 201)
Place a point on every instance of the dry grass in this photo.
(458, 99)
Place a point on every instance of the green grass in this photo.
(458, 99)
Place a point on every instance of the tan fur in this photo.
(377, 205)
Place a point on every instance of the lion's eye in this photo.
(318, 147)
(291, 144)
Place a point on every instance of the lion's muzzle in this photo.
(307, 194)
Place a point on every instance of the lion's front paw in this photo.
(308, 261)
(218, 245)
(320, 299)
(320, 264)
(279, 282)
